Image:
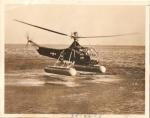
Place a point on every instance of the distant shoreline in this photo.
(82, 45)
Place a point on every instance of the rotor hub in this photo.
(74, 35)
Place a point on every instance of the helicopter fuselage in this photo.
(75, 53)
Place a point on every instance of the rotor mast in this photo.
(75, 43)
(74, 36)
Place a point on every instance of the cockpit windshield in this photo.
(92, 52)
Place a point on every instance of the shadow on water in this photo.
(38, 78)
(54, 79)
(82, 79)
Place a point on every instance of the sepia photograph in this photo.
(74, 59)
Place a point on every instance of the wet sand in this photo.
(28, 89)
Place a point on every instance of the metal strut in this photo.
(58, 58)
(64, 63)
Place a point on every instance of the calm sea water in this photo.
(28, 89)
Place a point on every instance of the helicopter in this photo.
(72, 59)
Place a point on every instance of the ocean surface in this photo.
(121, 90)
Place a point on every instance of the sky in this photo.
(87, 20)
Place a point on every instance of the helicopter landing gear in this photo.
(62, 66)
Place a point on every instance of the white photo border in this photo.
(145, 3)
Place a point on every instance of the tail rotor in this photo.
(28, 39)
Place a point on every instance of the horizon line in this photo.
(70, 44)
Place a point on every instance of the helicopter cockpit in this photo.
(89, 55)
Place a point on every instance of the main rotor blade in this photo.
(43, 28)
(104, 36)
